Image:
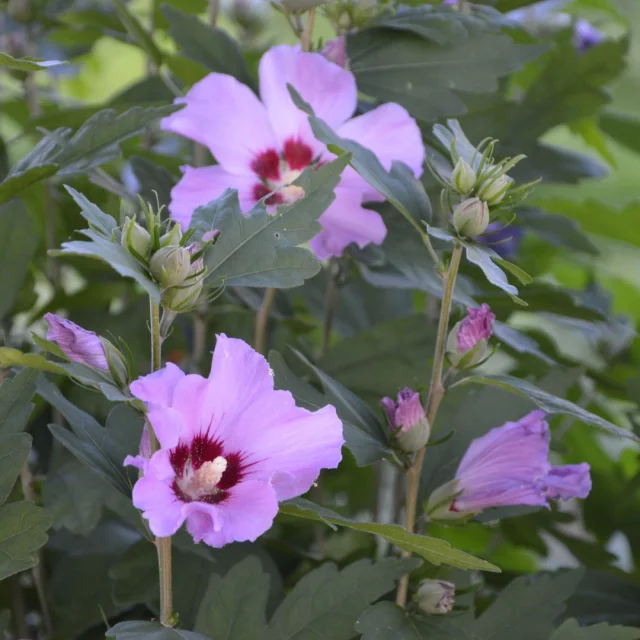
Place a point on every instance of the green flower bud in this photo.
(463, 177)
(118, 366)
(136, 238)
(170, 266)
(493, 191)
(183, 298)
(172, 238)
(471, 217)
(436, 597)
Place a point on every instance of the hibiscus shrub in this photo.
(298, 340)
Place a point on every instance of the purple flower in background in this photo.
(336, 51)
(505, 241)
(507, 467)
(585, 35)
(263, 145)
(77, 343)
(231, 447)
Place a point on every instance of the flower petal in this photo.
(159, 505)
(199, 186)
(347, 221)
(330, 90)
(245, 514)
(392, 134)
(157, 387)
(227, 117)
(168, 425)
(568, 481)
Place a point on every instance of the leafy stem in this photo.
(436, 393)
(163, 545)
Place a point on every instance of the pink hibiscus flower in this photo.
(263, 146)
(231, 447)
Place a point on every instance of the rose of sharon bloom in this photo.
(231, 447)
(509, 466)
(77, 343)
(475, 327)
(263, 146)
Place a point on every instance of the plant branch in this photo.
(436, 393)
(262, 320)
(305, 39)
(331, 296)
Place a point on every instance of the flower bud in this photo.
(336, 51)
(407, 420)
(183, 297)
(493, 191)
(136, 238)
(78, 344)
(117, 363)
(436, 597)
(467, 341)
(172, 238)
(471, 217)
(439, 505)
(170, 265)
(463, 177)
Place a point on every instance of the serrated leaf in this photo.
(387, 621)
(434, 550)
(14, 451)
(326, 603)
(26, 64)
(23, 529)
(138, 32)
(259, 249)
(18, 243)
(527, 608)
(234, 607)
(547, 402)
(210, 46)
(426, 77)
(622, 127)
(92, 213)
(483, 257)
(15, 401)
(571, 630)
(150, 631)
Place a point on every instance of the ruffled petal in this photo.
(245, 514)
(159, 505)
(347, 221)
(392, 134)
(568, 481)
(330, 90)
(227, 117)
(168, 425)
(199, 186)
(157, 387)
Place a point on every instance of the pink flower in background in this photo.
(509, 466)
(263, 146)
(77, 343)
(231, 447)
(475, 327)
(336, 51)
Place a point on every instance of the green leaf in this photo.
(426, 77)
(95, 143)
(434, 550)
(234, 607)
(97, 219)
(102, 449)
(18, 243)
(326, 603)
(155, 182)
(399, 185)
(15, 401)
(210, 46)
(138, 32)
(14, 451)
(26, 64)
(150, 631)
(23, 529)
(547, 402)
(10, 357)
(622, 127)
(387, 621)
(571, 630)
(486, 259)
(527, 608)
(259, 250)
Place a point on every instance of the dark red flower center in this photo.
(204, 470)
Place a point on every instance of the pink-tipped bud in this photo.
(407, 420)
(467, 341)
(471, 217)
(336, 51)
(78, 344)
(436, 597)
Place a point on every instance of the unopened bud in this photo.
(494, 191)
(136, 239)
(463, 177)
(436, 597)
(184, 297)
(471, 217)
(407, 420)
(336, 51)
(170, 265)
(172, 238)
(117, 363)
(467, 341)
